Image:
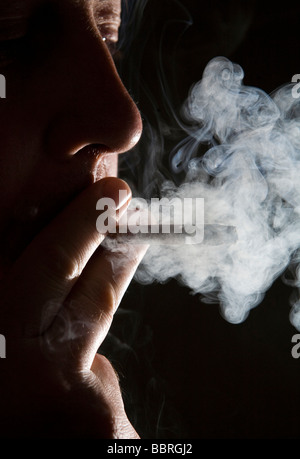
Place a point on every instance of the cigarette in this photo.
(208, 234)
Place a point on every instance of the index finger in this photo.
(81, 325)
(53, 262)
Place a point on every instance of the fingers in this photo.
(95, 297)
(54, 261)
(106, 376)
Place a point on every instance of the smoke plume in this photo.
(249, 179)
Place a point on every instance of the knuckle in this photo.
(100, 298)
(59, 263)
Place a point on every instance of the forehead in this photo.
(10, 7)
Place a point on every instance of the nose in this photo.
(90, 105)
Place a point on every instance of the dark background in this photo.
(185, 371)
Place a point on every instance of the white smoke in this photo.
(249, 178)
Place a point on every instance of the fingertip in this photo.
(116, 189)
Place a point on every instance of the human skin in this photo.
(64, 121)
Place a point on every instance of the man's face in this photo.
(66, 115)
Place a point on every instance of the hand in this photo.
(57, 305)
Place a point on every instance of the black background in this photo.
(185, 371)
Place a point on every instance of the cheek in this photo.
(14, 171)
(19, 143)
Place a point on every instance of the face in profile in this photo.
(66, 115)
